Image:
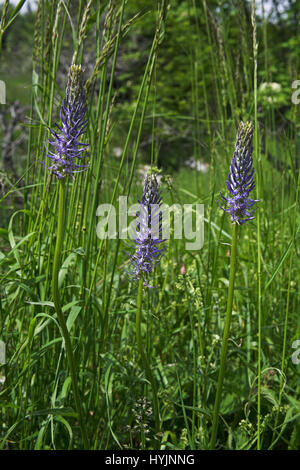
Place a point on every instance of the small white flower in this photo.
(197, 165)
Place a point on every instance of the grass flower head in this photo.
(241, 178)
(66, 147)
(148, 233)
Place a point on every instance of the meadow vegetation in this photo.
(167, 84)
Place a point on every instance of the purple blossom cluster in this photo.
(66, 147)
(241, 178)
(148, 233)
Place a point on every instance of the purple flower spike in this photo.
(148, 233)
(241, 178)
(66, 147)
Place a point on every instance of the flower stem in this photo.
(145, 362)
(233, 259)
(60, 315)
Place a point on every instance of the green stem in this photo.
(233, 260)
(258, 234)
(60, 315)
(145, 362)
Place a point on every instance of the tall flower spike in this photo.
(148, 233)
(66, 147)
(241, 178)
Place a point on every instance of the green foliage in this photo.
(160, 100)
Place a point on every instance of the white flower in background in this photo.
(270, 86)
(144, 170)
(271, 93)
(197, 165)
(117, 151)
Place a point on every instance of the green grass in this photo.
(182, 320)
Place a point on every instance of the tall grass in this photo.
(180, 322)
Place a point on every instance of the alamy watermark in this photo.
(2, 352)
(296, 93)
(188, 222)
(296, 354)
(2, 92)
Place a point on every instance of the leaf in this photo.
(230, 403)
(54, 411)
(70, 305)
(39, 440)
(14, 14)
(23, 240)
(11, 238)
(74, 35)
(35, 86)
(63, 421)
(31, 330)
(269, 395)
(46, 303)
(64, 269)
(75, 310)
(65, 388)
(224, 280)
(17, 8)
